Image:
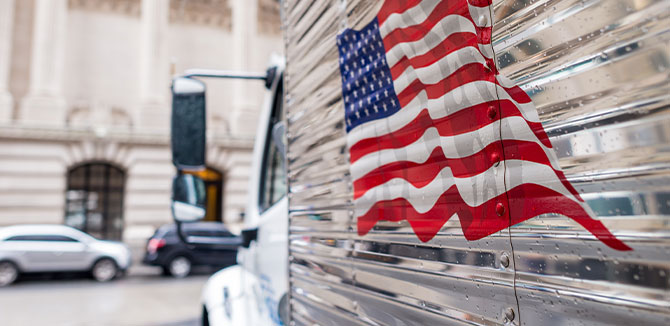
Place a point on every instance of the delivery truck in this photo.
(461, 162)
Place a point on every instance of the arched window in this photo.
(94, 199)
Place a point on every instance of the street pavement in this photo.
(143, 297)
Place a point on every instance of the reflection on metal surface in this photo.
(597, 72)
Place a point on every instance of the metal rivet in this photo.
(495, 158)
(492, 112)
(500, 209)
(504, 260)
(509, 314)
(483, 20)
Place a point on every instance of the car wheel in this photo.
(104, 270)
(179, 266)
(8, 273)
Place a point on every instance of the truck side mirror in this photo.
(188, 123)
(188, 198)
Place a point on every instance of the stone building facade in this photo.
(85, 106)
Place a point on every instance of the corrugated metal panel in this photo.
(387, 276)
(320, 244)
(597, 71)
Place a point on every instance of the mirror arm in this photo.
(268, 76)
(213, 73)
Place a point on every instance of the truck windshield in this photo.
(273, 177)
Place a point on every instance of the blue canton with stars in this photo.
(367, 85)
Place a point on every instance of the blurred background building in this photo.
(85, 107)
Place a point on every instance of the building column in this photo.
(45, 103)
(245, 20)
(154, 65)
(6, 29)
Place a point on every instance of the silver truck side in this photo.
(597, 73)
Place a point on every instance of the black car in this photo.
(208, 243)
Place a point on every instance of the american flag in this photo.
(434, 131)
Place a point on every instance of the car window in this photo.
(169, 234)
(218, 233)
(273, 175)
(41, 237)
(209, 233)
(23, 238)
(196, 233)
(60, 238)
(166, 231)
(222, 234)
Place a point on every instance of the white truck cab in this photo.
(250, 292)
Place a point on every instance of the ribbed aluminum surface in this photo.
(597, 71)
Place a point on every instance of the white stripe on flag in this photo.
(474, 190)
(453, 147)
(410, 17)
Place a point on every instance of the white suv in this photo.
(58, 248)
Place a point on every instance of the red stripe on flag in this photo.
(465, 74)
(530, 151)
(394, 7)
(480, 3)
(421, 174)
(527, 201)
(465, 120)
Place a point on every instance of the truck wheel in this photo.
(179, 266)
(8, 273)
(104, 270)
